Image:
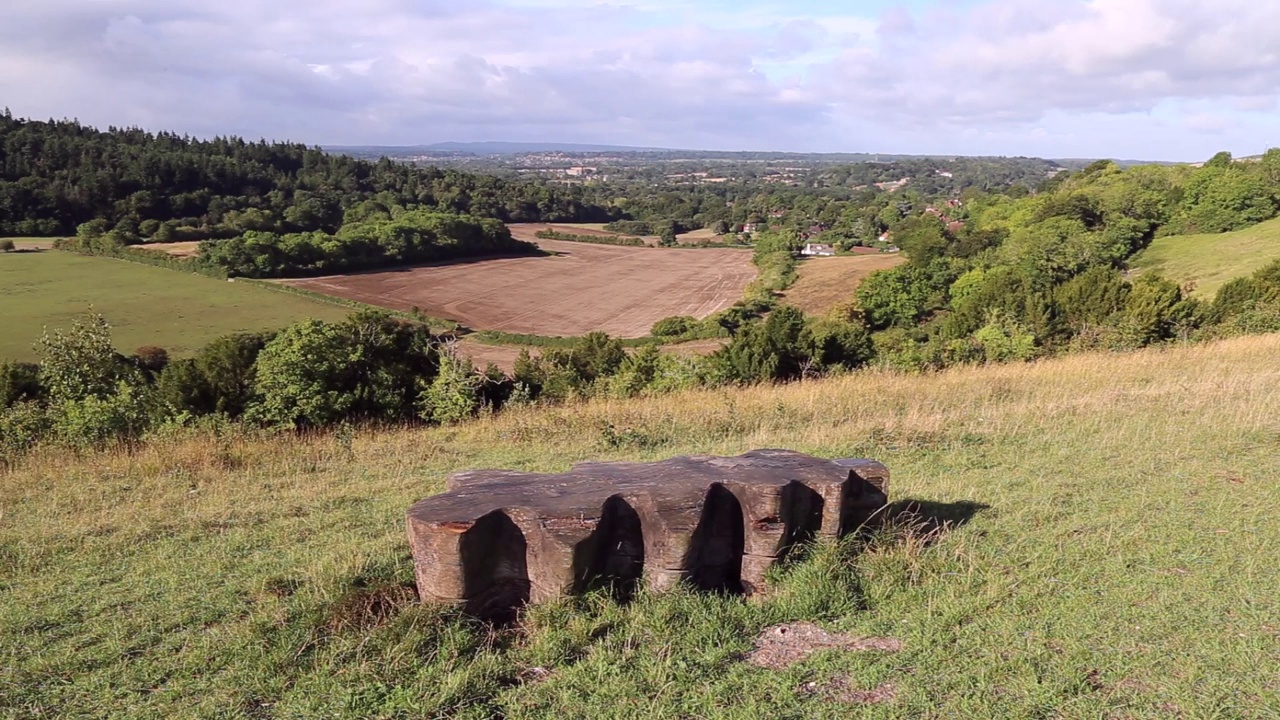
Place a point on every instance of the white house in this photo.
(817, 249)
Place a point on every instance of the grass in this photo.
(1118, 560)
(145, 305)
(826, 282)
(1209, 261)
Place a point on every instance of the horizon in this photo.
(1160, 80)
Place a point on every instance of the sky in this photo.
(1130, 79)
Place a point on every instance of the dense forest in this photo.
(57, 175)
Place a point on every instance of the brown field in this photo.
(581, 288)
(828, 281)
(528, 231)
(176, 249)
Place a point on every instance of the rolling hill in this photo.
(1091, 536)
(1211, 260)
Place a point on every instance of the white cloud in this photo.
(714, 74)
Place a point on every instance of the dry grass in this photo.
(1094, 539)
(826, 282)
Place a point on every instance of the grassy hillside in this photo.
(1118, 560)
(145, 305)
(1211, 260)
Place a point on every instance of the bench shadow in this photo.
(930, 520)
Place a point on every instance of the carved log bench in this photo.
(497, 539)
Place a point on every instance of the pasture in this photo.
(576, 289)
(145, 305)
(825, 282)
(1085, 537)
(1209, 261)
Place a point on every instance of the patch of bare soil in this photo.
(839, 690)
(578, 288)
(782, 646)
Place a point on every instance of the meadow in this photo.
(1092, 536)
(145, 305)
(1211, 260)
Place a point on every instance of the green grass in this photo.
(1211, 260)
(1121, 562)
(145, 305)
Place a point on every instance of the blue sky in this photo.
(1147, 79)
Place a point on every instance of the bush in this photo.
(302, 377)
(674, 326)
(454, 395)
(22, 426)
(98, 421)
(7, 245)
(19, 382)
(80, 362)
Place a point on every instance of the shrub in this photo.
(80, 362)
(454, 394)
(19, 382)
(22, 426)
(7, 245)
(301, 377)
(674, 326)
(151, 359)
(97, 421)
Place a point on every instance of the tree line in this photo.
(57, 175)
(1030, 275)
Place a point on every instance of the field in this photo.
(529, 231)
(1211, 260)
(580, 288)
(1093, 537)
(187, 248)
(145, 305)
(825, 282)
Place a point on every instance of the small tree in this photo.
(80, 362)
(454, 394)
(6, 245)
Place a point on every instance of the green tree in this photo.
(454, 394)
(302, 377)
(80, 362)
(7, 245)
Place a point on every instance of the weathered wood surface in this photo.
(497, 539)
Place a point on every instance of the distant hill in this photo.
(486, 148)
(1211, 260)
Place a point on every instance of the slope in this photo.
(1211, 260)
(1094, 537)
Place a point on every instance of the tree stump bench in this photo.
(498, 539)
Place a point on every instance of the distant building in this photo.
(753, 227)
(818, 250)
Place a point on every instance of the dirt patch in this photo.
(581, 287)
(782, 646)
(176, 249)
(529, 231)
(839, 690)
(828, 281)
(363, 608)
(696, 347)
(504, 356)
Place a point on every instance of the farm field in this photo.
(825, 282)
(145, 305)
(528, 231)
(1209, 261)
(1079, 538)
(582, 287)
(186, 248)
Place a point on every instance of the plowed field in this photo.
(581, 287)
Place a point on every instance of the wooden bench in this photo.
(498, 539)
